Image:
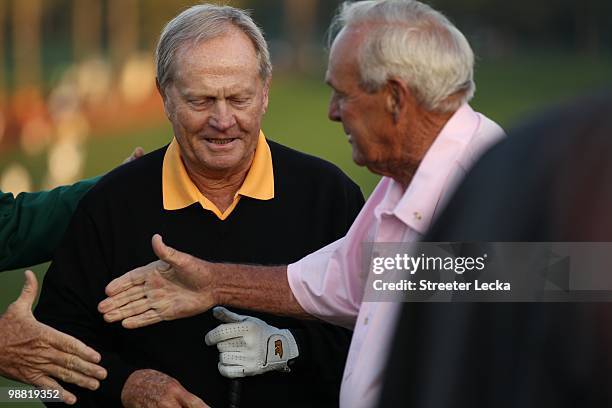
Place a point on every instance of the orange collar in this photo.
(179, 191)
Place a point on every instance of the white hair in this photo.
(411, 41)
(201, 23)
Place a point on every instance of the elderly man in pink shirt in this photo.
(401, 76)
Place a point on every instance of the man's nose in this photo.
(333, 113)
(222, 117)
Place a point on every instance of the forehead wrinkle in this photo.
(232, 54)
(219, 69)
(232, 48)
(211, 79)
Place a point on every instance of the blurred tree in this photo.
(301, 23)
(584, 26)
(123, 33)
(27, 18)
(2, 58)
(155, 15)
(86, 28)
(593, 20)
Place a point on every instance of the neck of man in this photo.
(220, 187)
(421, 134)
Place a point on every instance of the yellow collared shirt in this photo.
(180, 192)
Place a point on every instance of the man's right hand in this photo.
(33, 353)
(153, 389)
(177, 286)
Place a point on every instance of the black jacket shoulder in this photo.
(307, 169)
(139, 178)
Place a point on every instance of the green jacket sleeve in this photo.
(32, 224)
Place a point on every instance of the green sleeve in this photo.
(32, 225)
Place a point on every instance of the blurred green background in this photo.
(77, 83)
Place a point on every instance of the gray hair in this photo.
(410, 40)
(201, 23)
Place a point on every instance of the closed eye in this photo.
(201, 102)
(240, 102)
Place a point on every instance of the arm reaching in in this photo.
(34, 223)
(34, 353)
(179, 285)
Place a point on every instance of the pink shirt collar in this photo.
(418, 204)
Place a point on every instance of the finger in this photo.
(146, 319)
(70, 376)
(74, 363)
(50, 384)
(168, 254)
(231, 371)
(29, 290)
(138, 152)
(236, 344)
(227, 316)
(135, 308)
(70, 345)
(225, 332)
(232, 358)
(121, 299)
(132, 278)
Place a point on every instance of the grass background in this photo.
(509, 91)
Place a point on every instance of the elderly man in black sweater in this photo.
(219, 190)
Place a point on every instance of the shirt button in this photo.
(365, 321)
(418, 216)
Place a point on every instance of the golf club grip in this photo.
(234, 393)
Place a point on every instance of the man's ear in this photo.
(266, 94)
(398, 95)
(162, 93)
(159, 88)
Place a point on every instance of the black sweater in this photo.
(110, 234)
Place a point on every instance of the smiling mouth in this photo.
(220, 141)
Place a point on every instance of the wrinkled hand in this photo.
(152, 389)
(32, 352)
(174, 287)
(136, 154)
(249, 346)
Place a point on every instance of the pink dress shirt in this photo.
(330, 283)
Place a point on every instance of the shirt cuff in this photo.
(299, 290)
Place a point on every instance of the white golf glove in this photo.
(249, 346)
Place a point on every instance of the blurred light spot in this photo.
(72, 126)
(94, 78)
(137, 78)
(16, 179)
(35, 135)
(64, 98)
(66, 159)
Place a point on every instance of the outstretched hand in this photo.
(178, 285)
(34, 353)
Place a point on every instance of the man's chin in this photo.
(358, 158)
(221, 166)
